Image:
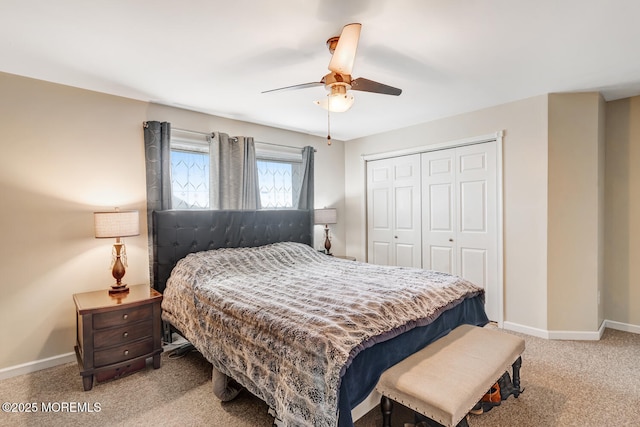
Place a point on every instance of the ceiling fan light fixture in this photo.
(338, 101)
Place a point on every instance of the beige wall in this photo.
(525, 193)
(67, 152)
(576, 185)
(622, 212)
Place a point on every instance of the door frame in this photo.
(498, 138)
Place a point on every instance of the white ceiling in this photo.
(448, 56)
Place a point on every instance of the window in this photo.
(279, 177)
(189, 180)
(189, 172)
(279, 173)
(275, 184)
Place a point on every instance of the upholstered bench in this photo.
(444, 380)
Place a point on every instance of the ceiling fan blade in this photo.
(366, 85)
(300, 86)
(345, 52)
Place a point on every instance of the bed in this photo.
(308, 333)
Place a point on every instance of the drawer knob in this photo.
(125, 316)
(126, 334)
(126, 352)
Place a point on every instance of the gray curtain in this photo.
(157, 137)
(234, 173)
(306, 196)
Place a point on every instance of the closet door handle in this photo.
(451, 240)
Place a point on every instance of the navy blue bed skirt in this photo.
(363, 374)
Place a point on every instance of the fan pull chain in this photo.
(328, 127)
(328, 120)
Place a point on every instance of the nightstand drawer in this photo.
(121, 371)
(122, 317)
(122, 352)
(122, 335)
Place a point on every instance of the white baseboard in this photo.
(572, 335)
(577, 335)
(626, 327)
(50, 362)
(37, 365)
(527, 330)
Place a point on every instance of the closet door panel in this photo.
(441, 259)
(381, 204)
(473, 206)
(404, 200)
(405, 255)
(476, 237)
(406, 211)
(379, 213)
(393, 211)
(438, 211)
(473, 265)
(381, 253)
(407, 226)
(440, 207)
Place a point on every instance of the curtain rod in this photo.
(257, 142)
(193, 131)
(281, 145)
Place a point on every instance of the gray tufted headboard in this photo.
(177, 233)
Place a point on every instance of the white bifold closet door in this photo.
(459, 216)
(393, 211)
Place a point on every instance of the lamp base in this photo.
(327, 242)
(118, 270)
(118, 289)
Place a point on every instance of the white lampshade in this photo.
(338, 103)
(338, 100)
(116, 224)
(325, 216)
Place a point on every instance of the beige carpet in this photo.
(567, 383)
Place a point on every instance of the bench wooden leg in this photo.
(516, 376)
(386, 406)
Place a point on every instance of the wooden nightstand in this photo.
(115, 334)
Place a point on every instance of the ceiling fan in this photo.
(338, 82)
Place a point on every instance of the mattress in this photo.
(287, 322)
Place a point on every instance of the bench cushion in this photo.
(444, 380)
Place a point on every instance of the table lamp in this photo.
(326, 216)
(117, 224)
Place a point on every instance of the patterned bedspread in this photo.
(285, 321)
